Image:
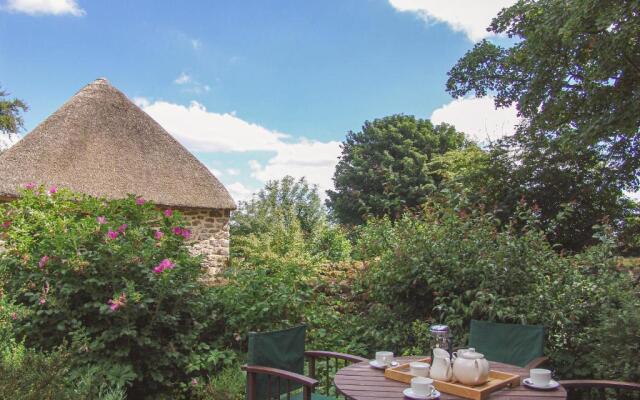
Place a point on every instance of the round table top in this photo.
(361, 382)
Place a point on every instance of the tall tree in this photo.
(384, 168)
(10, 114)
(288, 202)
(573, 74)
(570, 189)
(11, 122)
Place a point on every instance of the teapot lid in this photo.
(471, 355)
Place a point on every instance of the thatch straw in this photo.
(102, 144)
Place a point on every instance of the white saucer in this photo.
(376, 365)
(529, 383)
(408, 392)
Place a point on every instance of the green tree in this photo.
(573, 74)
(286, 218)
(293, 201)
(384, 168)
(11, 121)
(571, 190)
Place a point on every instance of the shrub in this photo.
(112, 277)
(451, 264)
(228, 384)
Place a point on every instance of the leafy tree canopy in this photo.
(574, 75)
(385, 168)
(571, 190)
(290, 201)
(10, 110)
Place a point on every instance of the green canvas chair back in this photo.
(508, 343)
(282, 349)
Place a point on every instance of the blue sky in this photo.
(256, 89)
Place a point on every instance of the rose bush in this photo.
(113, 278)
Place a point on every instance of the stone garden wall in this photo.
(209, 236)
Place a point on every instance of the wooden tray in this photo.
(497, 380)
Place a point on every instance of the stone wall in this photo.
(209, 236)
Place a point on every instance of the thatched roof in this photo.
(102, 144)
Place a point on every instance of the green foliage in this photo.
(573, 73)
(88, 271)
(26, 374)
(282, 274)
(286, 218)
(453, 264)
(384, 169)
(228, 384)
(10, 109)
(287, 201)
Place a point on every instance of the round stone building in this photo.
(100, 143)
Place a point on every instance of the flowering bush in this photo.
(113, 278)
(452, 264)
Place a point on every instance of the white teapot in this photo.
(471, 368)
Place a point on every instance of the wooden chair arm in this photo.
(331, 354)
(580, 384)
(292, 376)
(536, 362)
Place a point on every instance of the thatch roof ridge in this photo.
(99, 142)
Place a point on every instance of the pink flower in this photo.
(42, 300)
(14, 316)
(158, 235)
(112, 234)
(43, 261)
(101, 220)
(30, 186)
(194, 382)
(140, 201)
(122, 228)
(168, 212)
(114, 304)
(53, 189)
(6, 224)
(164, 264)
(185, 233)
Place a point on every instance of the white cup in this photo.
(422, 386)
(384, 357)
(419, 368)
(540, 377)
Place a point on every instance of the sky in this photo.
(255, 89)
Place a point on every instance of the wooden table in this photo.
(361, 382)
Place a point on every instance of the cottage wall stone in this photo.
(209, 236)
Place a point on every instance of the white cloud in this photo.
(201, 130)
(478, 118)
(42, 7)
(191, 85)
(182, 79)
(8, 140)
(141, 102)
(205, 131)
(240, 192)
(472, 17)
(312, 159)
(216, 172)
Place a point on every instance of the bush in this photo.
(112, 277)
(26, 374)
(451, 264)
